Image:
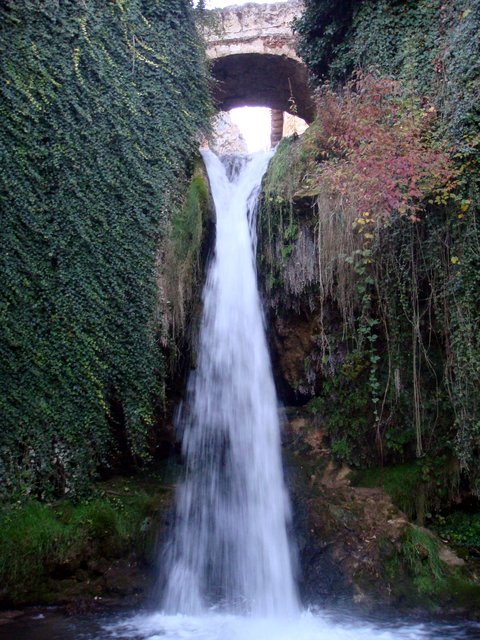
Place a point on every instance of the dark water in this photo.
(324, 625)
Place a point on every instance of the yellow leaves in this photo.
(83, 28)
(142, 153)
(76, 65)
(454, 259)
(361, 223)
(464, 207)
(147, 22)
(465, 13)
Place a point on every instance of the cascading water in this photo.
(230, 545)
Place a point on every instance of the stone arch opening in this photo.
(261, 80)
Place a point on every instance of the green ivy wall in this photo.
(101, 105)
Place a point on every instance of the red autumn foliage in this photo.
(377, 148)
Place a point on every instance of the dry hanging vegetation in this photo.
(387, 184)
(374, 159)
(369, 157)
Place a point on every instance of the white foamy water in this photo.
(326, 625)
(230, 546)
(305, 626)
(229, 567)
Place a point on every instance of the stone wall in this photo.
(253, 28)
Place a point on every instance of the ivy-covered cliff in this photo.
(101, 105)
(370, 261)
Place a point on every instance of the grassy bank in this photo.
(62, 551)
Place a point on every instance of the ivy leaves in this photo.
(102, 103)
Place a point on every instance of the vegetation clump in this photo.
(420, 550)
(460, 528)
(181, 261)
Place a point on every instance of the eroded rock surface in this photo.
(227, 137)
(353, 541)
(262, 28)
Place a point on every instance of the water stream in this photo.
(230, 546)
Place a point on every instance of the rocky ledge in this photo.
(354, 544)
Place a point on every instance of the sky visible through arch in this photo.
(253, 122)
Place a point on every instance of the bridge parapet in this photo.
(253, 28)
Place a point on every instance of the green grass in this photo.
(420, 551)
(435, 583)
(37, 539)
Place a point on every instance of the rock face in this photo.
(292, 125)
(354, 545)
(254, 60)
(227, 137)
(294, 343)
(346, 535)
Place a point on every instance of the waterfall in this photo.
(230, 546)
(229, 551)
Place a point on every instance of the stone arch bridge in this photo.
(254, 63)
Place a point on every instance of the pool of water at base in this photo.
(310, 625)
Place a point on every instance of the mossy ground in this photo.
(423, 579)
(45, 548)
(400, 482)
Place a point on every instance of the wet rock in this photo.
(449, 557)
(98, 566)
(354, 544)
(346, 535)
(124, 578)
(8, 616)
(294, 342)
